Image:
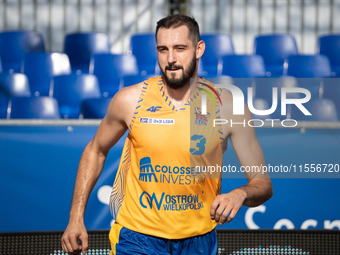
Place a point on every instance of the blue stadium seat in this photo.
(217, 46)
(240, 67)
(243, 66)
(143, 47)
(14, 85)
(275, 49)
(95, 108)
(34, 108)
(41, 67)
(14, 45)
(70, 90)
(329, 45)
(321, 110)
(129, 80)
(81, 46)
(308, 66)
(110, 68)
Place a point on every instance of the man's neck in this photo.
(182, 95)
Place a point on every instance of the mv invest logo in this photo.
(238, 104)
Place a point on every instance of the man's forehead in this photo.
(178, 34)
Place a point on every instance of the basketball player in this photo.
(160, 203)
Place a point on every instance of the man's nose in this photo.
(171, 57)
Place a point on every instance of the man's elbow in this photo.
(270, 191)
(95, 147)
(266, 192)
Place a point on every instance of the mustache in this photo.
(170, 67)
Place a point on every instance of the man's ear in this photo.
(200, 48)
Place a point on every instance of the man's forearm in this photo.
(257, 191)
(89, 170)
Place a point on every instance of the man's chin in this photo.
(176, 83)
(174, 74)
(173, 78)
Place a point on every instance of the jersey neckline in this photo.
(168, 101)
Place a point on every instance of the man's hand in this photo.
(225, 206)
(69, 239)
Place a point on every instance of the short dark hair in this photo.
(178, 20)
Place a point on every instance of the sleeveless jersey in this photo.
(158, 189)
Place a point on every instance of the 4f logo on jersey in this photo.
(154, 108)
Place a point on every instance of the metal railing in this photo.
(55, 18)
(243, 19)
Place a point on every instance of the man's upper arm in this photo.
(243, 137)
(248, 149)
(117, 119)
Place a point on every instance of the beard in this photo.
(177, 83)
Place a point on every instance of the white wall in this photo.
(55, 18)
(243, 19)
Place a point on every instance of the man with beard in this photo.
(160, 204)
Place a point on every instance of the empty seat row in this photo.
(41, 67)
(274, 49)
(48, 108)
(59, 86)
(299, 66)
(80, 47)
(110, 69)
(69, 90)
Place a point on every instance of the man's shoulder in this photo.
(124, 102)
(134, 91)
(130, 92)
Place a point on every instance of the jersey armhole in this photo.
(139, 104)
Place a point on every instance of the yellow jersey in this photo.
(158, 190)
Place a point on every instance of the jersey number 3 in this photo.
(200, 145)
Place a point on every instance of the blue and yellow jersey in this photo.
(157, 190)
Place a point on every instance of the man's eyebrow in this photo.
(175, 46)
(181, 45)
